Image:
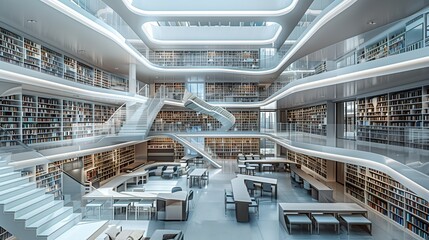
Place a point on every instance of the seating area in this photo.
(316, 214)
(114, 232)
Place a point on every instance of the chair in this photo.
(307, 186)
(250, 186)
(228, 193)
(266, 188)
(267, 166)
(255, 205)
(205, 178)
(228, 200)
(176, 189)
(190, 197)
(298, 179)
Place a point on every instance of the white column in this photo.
(132, 79)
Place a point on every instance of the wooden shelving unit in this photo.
(389, 198)
(11, 47)
(164, 149)
(4, 235)
(48, 120)
(316, 165)
(85, 74)
(52, 62)
(228, 58)
(29, 119)
(396, 118)
(175, 90)
(229, 148)
(32, 55)
(10, 119)
(309, 119)
(231, 92)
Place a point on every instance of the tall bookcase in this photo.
(30, 54)
(231, 92)
(388, 197)
(175, 90)
(325, 169)
(229, 148)
(33, 118)
(396, 118)
(10, 119)
(164, 149)
(309, 119)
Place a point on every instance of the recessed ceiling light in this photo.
(31, 21)
(81, 51)
(116, 68)
(371, 22)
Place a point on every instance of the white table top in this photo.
(198, 172)
(355, 219)
(239, 190)
(122, 203)
(322, 207)
(311, 180)
(271, 181)
(298, 218)
(169, 171)
(326, 218)
(181, 196)
(96, 203)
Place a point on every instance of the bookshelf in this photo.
(165, 149)
(227, 58)
(52, 62)
(395, 118)
(309, 119)
(101, 79)
(389, 198)
(48, 176)
(4, 235)
(10, 119)
(246, 120)
(322, 167)
(397, 42)
(33, 118)
(231, 92)
(32, 55)
(84, 74)
(11, 47)
(175, 90)
(229, 148)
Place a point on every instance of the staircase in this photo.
(226, 118)
(140, 116)
(199, 148)
(27, 212)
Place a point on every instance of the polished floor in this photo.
(207, 219)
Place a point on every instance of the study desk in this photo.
(198, 174)
(267, 161)
(319, 191)
(309, 208)
(271, 181)
(241, 195)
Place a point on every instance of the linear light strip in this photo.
(121, 41)
(266, 13)
(148, 32)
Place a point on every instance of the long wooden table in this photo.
(309, 208)
(319, 191)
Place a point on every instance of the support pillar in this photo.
(331, 137)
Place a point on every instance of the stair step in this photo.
(6, 169)
(29, 206)
(22, 198)
(3, 163)
(40, 213)
(5, 194)
(62, 226)
(9, 176)
(13, 183)
(51, 219)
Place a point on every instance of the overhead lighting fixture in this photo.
(116, 68)
(371, 22)
(81, 51)
(31, 21)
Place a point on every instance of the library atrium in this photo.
(208, 120)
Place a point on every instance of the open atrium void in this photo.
(198, 120)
